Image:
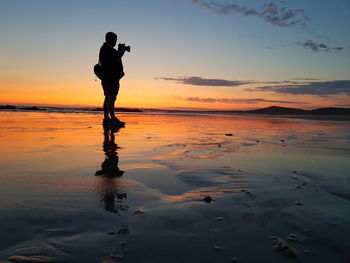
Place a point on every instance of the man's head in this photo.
(111, 38)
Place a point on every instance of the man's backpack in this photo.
(98, 71)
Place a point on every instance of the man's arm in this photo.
(121, 50)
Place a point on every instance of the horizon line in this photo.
(82, 106)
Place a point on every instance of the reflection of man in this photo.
(112, 68)
(110, 165)
(109, 183)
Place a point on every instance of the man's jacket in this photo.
(111, 62)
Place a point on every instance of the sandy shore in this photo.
(279, 189)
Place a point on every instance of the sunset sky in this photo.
(230, 54)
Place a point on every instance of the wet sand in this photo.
(279, 189)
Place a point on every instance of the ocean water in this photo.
(173, 188)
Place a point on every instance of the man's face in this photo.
(113, 42)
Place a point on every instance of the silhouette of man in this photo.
(110, 165)
(112, 67)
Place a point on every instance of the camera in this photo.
(123, 47)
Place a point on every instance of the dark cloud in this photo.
(318, 47)
(305, 79)
(233, 100)
(312, 88)
(199, 81)
(282, 82)
(270, 13)
(342, 105)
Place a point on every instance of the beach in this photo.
(173, 188)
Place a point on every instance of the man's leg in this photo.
(112, 100)
(105, 107)
(111, 105)
(105, 86)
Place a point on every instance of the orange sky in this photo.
(137, 94)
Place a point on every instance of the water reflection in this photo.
(109, 186)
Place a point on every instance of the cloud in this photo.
(270, 13)
(234, 100)
(299, 86)
(199, 81)
(321, 47)
(310, 88)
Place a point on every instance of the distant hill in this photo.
(10, 107)
(7, 107)
(331, 111)
(275, 110)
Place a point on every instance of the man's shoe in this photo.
(117, 122)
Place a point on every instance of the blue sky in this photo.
(176, 40)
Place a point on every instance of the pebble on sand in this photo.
(220, 218)
(139, 211)
(292, 237)
(218, 248)
(281, 245)
(207, 199)
(123, 231)
(229, 134)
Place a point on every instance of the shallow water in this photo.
(72, 193)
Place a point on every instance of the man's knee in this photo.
(110, 99)
(113, 97)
